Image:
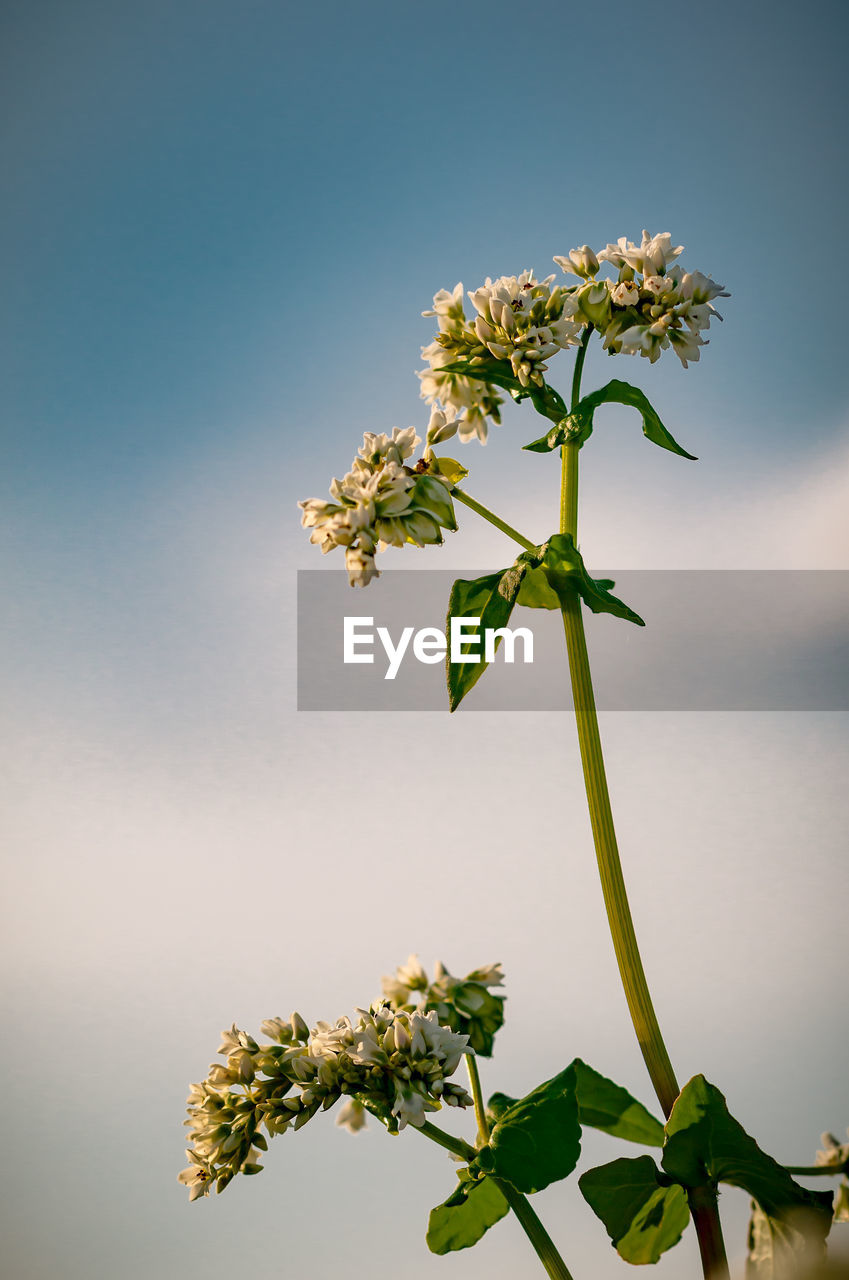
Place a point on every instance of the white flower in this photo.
(695, 286)
(491, 975)
(380, 502)
(198, 1177)
(673, 307)
(411, 1106)
(443, 424)
(519, 319)
(636, 341)
(580, 262)
(448, 307)
(456, 392)
(626, 293)
(651, 257)
(352, 1116)
(657, 285)
(234, 1040)
(361, 567)
(835, 1154)
(412, 974)
(395, 448)
(439, 1042)
(686, 344)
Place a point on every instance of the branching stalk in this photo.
(456, 1146)
(492, 518)
(539, 1238)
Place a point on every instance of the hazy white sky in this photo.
(224, 223)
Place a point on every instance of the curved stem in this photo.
(817, 1170)
(610, 867)
(456, 1146)
(702, 1200)
(492, 518)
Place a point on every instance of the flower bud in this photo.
(422, 529)
(361, 567)
(594, 301)
(432, 496)
(584, 262)
(441, 426)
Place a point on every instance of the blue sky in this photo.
(220, 224)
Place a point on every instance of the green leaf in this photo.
(706, 1144)
(497, 1105)
(542, 579)
(644, 1214)
(465, 1216)
(579, 423)
(450, 468)
(432, 495)
(471, 1010)
(535, 592)
(567, 428)
(565, 572)
(537, 1140)
(607, 1106)
(500, 373)
(490, 598)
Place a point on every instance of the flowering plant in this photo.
(395, 1061)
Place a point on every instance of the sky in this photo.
(220, 225)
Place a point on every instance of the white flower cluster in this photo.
(466, 1004)
(519, 319)
(651, 306)
(835, 1154)
(394, 1064)
(382, 502)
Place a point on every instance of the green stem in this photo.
(702, 1199)
(569, 453)
(817, 1170)
(579, 366)
(569, 489)
(477, 1096)
(542, 1242)
(539, 1238)
(493, 519)
(456, 1146)
(610, 867)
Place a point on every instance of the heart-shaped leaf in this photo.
(644, 1213)
(578, 424)
(537, 1140)
(607, 1106)
(705, 1144)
